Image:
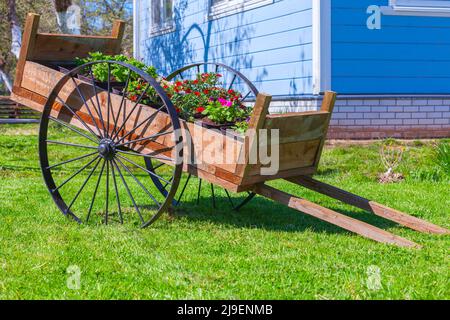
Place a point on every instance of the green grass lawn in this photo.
(265, 251)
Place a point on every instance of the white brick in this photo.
(403, 115)
(426, 108)
(426, 121)
(420, 102)
(362, 122)
(442, 108)
(378, 122)
(434, 115)
(379, 109)
(387, 115)
(355, 115)
(395, 109)
(389, 102)
(394, 121)
(435, 102)
(371, 102)
(441, 121)
(411, 121)
(371, 115)
(404, 102)
(339, 115)
(411, 108)
(346, 122)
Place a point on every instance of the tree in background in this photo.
(57, 16)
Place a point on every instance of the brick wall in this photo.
(381, 117)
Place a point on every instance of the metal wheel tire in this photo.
(82, 138)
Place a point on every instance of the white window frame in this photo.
(417, 8)
(167, 27)
(230, 7)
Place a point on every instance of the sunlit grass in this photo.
(263, 251)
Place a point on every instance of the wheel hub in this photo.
(107, 149)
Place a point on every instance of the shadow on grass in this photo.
(266, 214)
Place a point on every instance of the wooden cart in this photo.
(119, 128)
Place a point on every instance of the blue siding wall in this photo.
(408, 55)
(271, 45)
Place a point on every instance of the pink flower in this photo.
(225, 103)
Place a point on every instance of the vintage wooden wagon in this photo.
(111, 133)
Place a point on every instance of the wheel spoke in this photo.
(95, 191)
(128, 191)
(145, 138)
(124, 93)
(107, 192)
(83, 185)
(232, 81)
(99, 111)
(148, 171)
(117, 193)
(139, 183)
(71, 160)
(71, 144)
(132, 110)
(109, 104)
(77, 116)
(146, 156)
(246, 96)
(73, 129)
(75, 174)
(86, 105)
(150, 118)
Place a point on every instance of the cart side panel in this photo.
(300, 144)
(44, 47)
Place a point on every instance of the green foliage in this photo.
(118, 72)
(224, 112)
(442, 155)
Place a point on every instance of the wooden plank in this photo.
(368, 205)
(28, 42)
(61, 47)
(299, 126)
(117, 32)
(328, 102)
(335, 218)
(259, 113)
(300, 154)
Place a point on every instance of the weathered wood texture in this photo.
(368, 205)
(60, 47)
(345, 222)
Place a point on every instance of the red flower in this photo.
(138, 87)
(200, 109)
(165, 86)
(195, 81)
(218, 75)
(197, 93)
(178, 110)
(206, 91)
(188, 91)
(178, 83)
(231, 91)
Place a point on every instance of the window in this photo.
(162, 16)
(434, 8)
(220, 8)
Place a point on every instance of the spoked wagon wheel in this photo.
(94, 137)
(232, 79)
